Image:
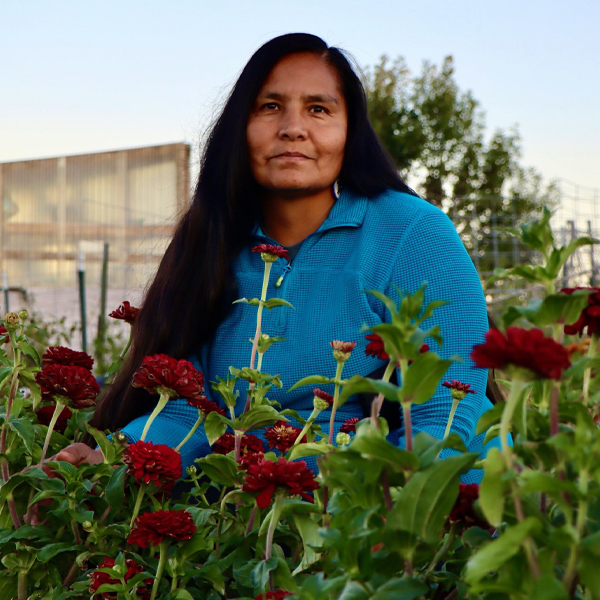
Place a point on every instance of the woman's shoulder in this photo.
(400, 208)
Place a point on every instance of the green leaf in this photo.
(115, 492)
(30, 351)
(312, 380)
(180, 594)
(427, 499)
(494, 554)
(260, 573)
(215, 426)
(107, 447)
(257, 417)
(308, 530)
(493, 488)
(423, 377)
(273, 302)
(427, 448)
(389, 303)
(221, 469)
(309, 449)
(371, 444)
(405, 588)
(362, 385)
(4, 373)
(537, 234)
(24, 429)
(547, 587)
(51, 550)
(490, 417)
(252, 302)
(213, 574)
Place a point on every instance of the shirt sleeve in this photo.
(171, 426)
(433, 252)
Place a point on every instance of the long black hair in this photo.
(194, 286)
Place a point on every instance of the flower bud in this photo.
(118, 570)
(191, 470)
(11, 320)
(342, 350)
(23, 315)
(320, 404)
(87, 525)
(342, 439)
(121, 438)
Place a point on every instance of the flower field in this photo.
(251, 520)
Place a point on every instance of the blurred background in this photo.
(489, 110)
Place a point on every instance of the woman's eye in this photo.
(318, 109)
(270, 106)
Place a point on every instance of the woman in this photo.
(293, 131)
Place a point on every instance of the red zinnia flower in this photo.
(275, 595)
(345, 347)
(250, 458)
(250, 444)
(458, 389)
(375, 347)
(590, 315)
(206, 406)
(59, 355)
(265, 476)
(154, 527)
(349, 425)
(4, 331)
(277, 251)
(175, 378)
(45, 413)
(158, 464)
(282, 436)
(75, 385)
(98, 578)
(125, 312)
(322, 400)
(524, 348)
(464, 511)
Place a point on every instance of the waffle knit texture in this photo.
(364, 244)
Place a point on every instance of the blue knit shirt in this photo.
(363, 244)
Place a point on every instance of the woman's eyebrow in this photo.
(306, 97)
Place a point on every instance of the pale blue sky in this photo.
(79, 76)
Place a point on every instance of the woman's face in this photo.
(297, 128)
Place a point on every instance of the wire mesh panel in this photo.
(59, 211)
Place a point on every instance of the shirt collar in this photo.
(348, 211)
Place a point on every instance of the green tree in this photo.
(436, 135)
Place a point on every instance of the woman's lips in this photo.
(292, 156)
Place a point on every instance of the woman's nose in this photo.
(292, 125)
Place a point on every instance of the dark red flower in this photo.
(250, 444)
(98, 578)
(375, 347)
(45, 413)
(75, 386)
(590, 315)
(345, 347)
(274, 595)
(249, 458)
(206, 406)
(125, 312)
(349, 425)
(457, 386)
(154, 527)
(265, 476)
(424, 348)
(464, 509)
(4, 332)
(282, 436)
(175, 378)
(59, 355)
(525, 348)
(278, 251)
(323, 396)
(150, 463)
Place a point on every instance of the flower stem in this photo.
(406, 406)
(336, 396)
(162, 561)
(273, 525)
(138, 503)
(385, 484)
(450, 538)
(554, 410)
(127, 345)
(313, 415)
(455, 404)
(22, 586)
(55, 415)
(263, 297)
(237, 447)
(192, 430)
(162, 402)
(588, 371)
(378, 402)
(580, 527)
